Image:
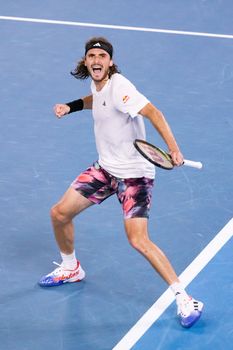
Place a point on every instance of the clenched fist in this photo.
(60, 110)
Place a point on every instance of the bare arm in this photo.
(159, 122)
(61, 110)
(87, 102)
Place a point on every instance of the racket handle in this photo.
(193, 164)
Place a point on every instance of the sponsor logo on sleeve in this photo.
(125, 98)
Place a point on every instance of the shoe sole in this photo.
(191, 320)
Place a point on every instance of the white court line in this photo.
(109, 26)
(159, 307)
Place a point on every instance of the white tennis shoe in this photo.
(189, 311)
(61, 275)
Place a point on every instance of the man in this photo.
(118, 110)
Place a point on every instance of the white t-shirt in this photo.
(116, 125)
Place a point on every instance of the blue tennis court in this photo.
(179, 54)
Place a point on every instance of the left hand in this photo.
(177, 158)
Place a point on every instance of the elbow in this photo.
(151, 112)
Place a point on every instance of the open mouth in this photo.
(97, 69)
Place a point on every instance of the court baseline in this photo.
(118, 27)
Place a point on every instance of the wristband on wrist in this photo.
(76, 105)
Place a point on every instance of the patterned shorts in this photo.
(134, 194)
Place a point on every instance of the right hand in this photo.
(177, 157)
(60, 110)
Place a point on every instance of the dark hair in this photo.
(81, 72)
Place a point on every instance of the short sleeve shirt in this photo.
(116, 125)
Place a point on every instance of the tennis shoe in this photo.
(61, 275)
(189, 311)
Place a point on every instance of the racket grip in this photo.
(193, 164)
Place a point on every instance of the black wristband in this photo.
(76, 105)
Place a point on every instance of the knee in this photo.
(139, 242)
(58, 215)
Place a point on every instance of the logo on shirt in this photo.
(125, 98)
(104, 103)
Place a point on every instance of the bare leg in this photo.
(62, 214)
(137, 233)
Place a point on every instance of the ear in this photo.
(111, 63)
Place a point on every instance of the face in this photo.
(98, 62)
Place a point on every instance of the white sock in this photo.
(179, 291)
(69, 260)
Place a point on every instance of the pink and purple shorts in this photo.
(134, 194)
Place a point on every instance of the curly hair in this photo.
(81, 71)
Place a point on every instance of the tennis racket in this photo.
(160, 158)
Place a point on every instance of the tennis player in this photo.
(118, 110)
